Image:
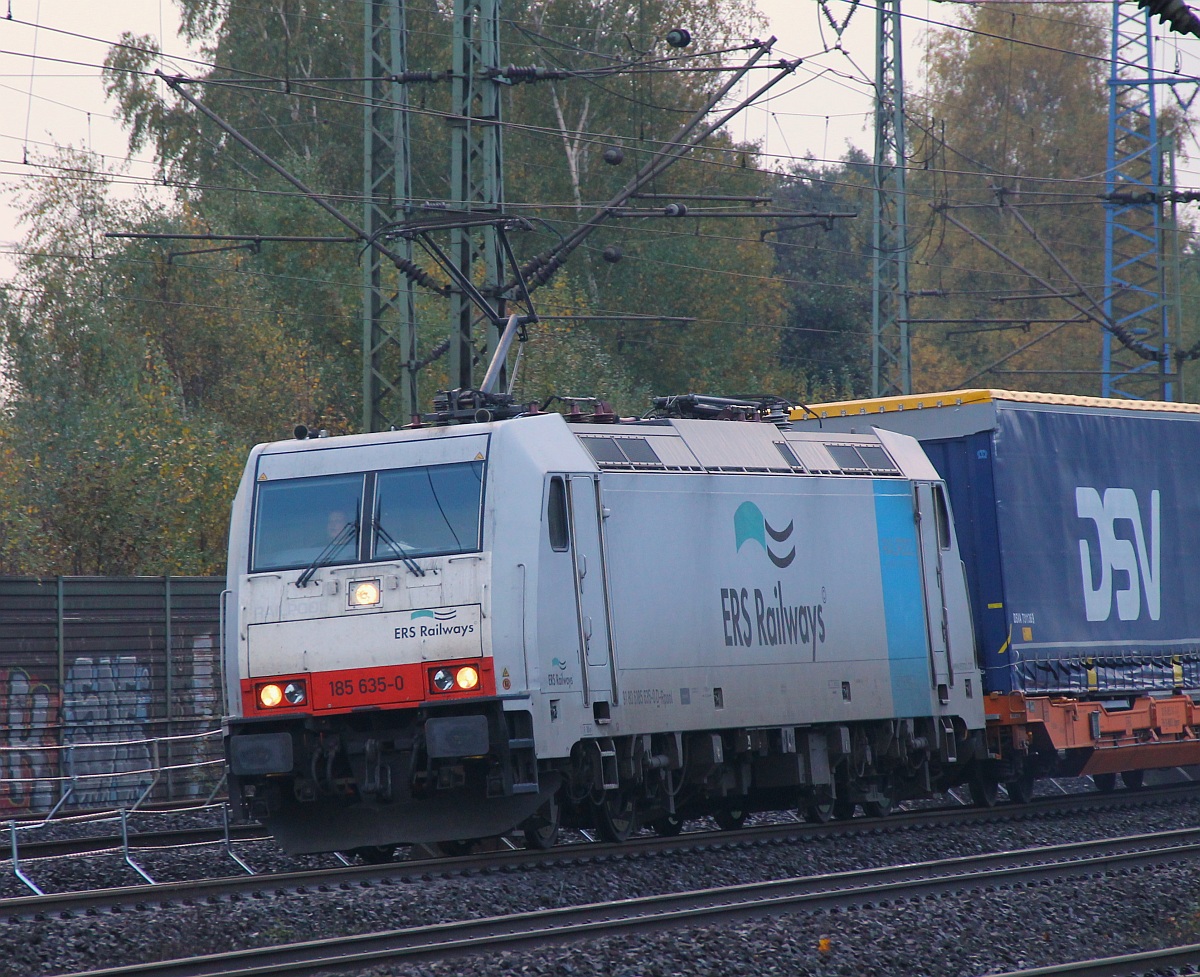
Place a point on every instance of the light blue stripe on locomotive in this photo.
(903, 599)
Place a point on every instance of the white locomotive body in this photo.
(445, 633)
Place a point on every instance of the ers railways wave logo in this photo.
(751, 616)
(441, 614)
(749, 525)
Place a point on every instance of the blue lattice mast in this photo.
(1134, 279)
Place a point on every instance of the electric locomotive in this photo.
(448, 632)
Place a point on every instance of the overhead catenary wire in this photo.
(706, 163)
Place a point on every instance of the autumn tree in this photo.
(135, 388)
(141, 370)
(630, 93)
(1008, 142)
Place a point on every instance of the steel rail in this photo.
(51, 905)
(1146, 962)
(697, 908)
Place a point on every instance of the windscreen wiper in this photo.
(347, 533)
(413, 566)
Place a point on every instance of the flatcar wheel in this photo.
(730, 818)
(541, 830)
(616, 816)
(984, 790)
(1106, 783)
(1133, 779)
(1020, 791)
(668, 826)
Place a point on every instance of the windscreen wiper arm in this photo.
(413, 566)
(348, 532)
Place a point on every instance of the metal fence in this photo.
(110, 691)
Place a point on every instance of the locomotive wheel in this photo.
(668, 826)
(616, 816)
(821, 809)
(374, 854)
(1020, 791)
(541, 830)
(880, 808)
(1106, 783)
(1133, 779)
(730, 818)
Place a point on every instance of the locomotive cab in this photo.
(362, 684)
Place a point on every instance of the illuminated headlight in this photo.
(363, 593)
(460, 678)
(275, 694)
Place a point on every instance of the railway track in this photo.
(866, 888)
(348, 877)
(422, 862)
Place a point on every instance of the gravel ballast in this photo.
(971, 933)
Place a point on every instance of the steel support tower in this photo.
(389, 333)
(476, 168)
(891, 357)
(1135, 284)
(389, 343)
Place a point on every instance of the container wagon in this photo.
(1079, 524)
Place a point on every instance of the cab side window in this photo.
(942, 517)
(556, 515)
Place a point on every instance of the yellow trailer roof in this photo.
(957, 398)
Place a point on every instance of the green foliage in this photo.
(564, 357)
(122, 483)
(826, 269)
(140, 371)
(132, 395)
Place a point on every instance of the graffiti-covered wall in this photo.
(109, 689)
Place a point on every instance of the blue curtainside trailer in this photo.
(1078, 520)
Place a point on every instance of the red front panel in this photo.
(357, 688)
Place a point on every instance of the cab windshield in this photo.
(332, 520)
(428, 511)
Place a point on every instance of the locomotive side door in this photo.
(933, 529)
(591, 587)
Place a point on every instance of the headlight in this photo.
(363, 593)
(455, 678)
(276, 694)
